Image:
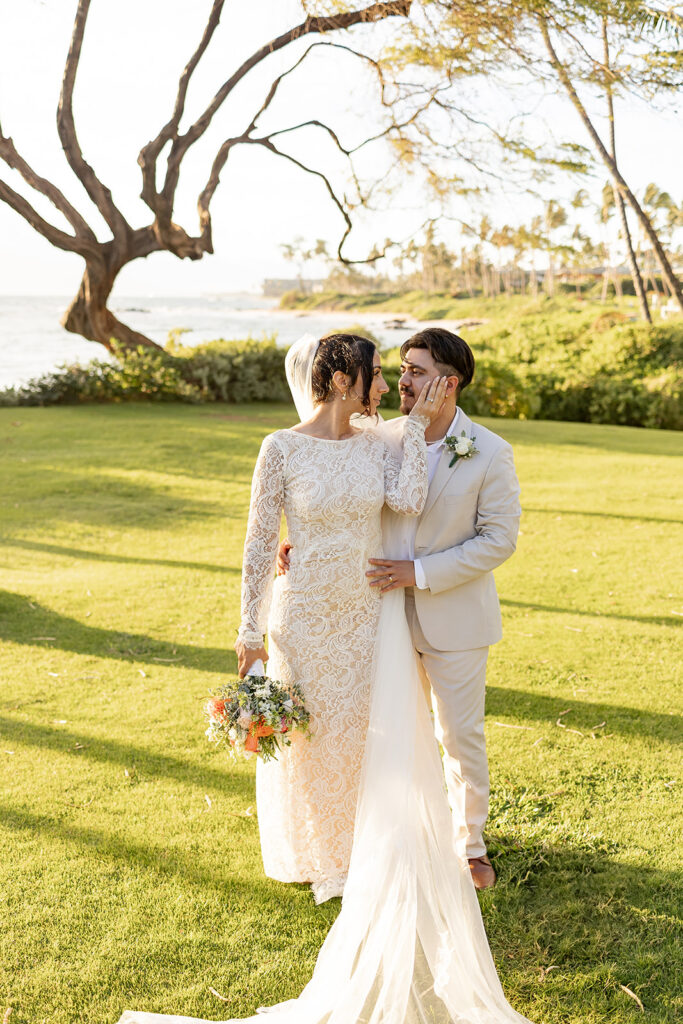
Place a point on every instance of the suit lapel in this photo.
(444, 470)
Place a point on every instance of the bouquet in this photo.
(256, 716)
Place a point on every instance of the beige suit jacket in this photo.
(468, 527)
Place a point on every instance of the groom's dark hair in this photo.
(451, 353)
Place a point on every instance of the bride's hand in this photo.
(246, 656)
(430, 399)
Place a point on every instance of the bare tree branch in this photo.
(53, 234)
(181, 143)
(150, 153)
(206, 195)
(84, 234)
(326, 181)
(100, 195)
(275, 85)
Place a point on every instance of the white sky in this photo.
(132, 56)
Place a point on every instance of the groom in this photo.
(468, 527)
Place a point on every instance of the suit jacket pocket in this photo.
(454, 499)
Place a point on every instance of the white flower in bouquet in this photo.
(244, 720)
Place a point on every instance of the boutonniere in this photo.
(462, 447)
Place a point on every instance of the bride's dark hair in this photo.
(348, 353)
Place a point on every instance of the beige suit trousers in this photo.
(458, 683)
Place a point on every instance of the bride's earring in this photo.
(343, 396)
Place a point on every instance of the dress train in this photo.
(409, 945)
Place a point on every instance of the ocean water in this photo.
(33, 343)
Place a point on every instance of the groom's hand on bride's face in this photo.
(283, 557)
(390, 573)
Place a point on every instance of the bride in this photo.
(408, 946)
(331, 480)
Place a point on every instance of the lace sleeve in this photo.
(406, 481)
(261, 543)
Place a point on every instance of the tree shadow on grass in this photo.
(98, 499)
(210, 872)
(590, 436)
(655, 620)
(26, 622)
(585, 715)
(601, 515)
(148, 763)
(103, 556)
(595, 921)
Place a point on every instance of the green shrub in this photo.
(139, 374)
(635, 348)
(218, 371)
(391, 375)
(234, 371)
(498, 391)
(626, 400)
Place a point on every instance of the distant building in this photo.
(273, 287)
(571, 273)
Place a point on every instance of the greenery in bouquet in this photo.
(256, 715)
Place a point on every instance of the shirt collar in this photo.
(449, 432)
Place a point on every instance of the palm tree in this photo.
(536, 241)
(625, 232)
(610, 272)
(554, 217)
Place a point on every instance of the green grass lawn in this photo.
(131, 873)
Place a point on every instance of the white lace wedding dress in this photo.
(408, 946)
(321, 619)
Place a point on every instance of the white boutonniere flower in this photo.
(462, 447)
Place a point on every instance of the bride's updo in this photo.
(348, 353)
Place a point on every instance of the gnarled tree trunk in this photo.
(88, 314)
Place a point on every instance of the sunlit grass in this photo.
(131, 874)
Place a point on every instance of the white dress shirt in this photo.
(434, 450)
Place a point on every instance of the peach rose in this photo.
(216, 707)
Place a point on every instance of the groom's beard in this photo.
(407, 402)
